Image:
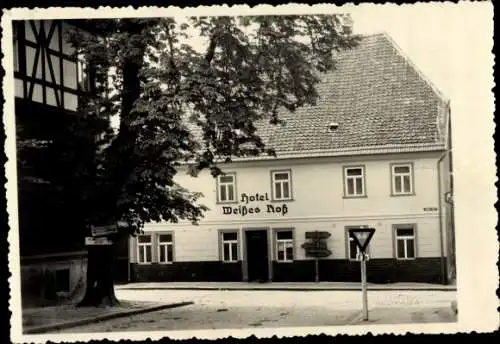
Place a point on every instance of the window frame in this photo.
(396, 240)
(346, 178)
(348, 243)
(285, 241)
(142, 246)
(411, 175)
(273, 185)
(221, 233)
(219, 185)
(163, 245)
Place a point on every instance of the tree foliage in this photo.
(189, 91)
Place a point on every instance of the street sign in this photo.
(361, 237)
(318, 253)
(362, 256)
(103, 230)
(315, 245)
(91, 241)
(318, 235)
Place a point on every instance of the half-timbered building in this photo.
(50, 80)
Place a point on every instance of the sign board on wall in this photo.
(247, 206)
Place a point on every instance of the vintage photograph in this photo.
(232, 171)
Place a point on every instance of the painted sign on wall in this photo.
(247, 206)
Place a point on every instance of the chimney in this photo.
(347, 24)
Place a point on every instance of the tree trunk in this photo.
(100, 289)
(316, 270)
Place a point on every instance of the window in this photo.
(284, 246)
(281, 185)
(86, 76)
(352, 248)
(16, 46)
(354, 184)
(144, 249)
(229, 246)
(226, 188)
(405, 243)
(402, 179)
(165, 248)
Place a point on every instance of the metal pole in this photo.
(364, 287)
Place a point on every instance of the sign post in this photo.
(362, 237)
(364, 290)
(316, 247)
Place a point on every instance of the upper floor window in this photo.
(354, 181)
(229, 245)
(281, 185)
(284, 246)
(144, 249)
(226, 188)
(165, 248)
(405, 242)
(402, 179)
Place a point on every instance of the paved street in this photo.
(213, 309)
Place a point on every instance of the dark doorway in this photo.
(257, 255)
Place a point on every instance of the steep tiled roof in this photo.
(379, 100)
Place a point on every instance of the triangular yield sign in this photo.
(362, 237)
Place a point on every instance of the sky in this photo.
(447, 42)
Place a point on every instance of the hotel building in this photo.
(375, 151)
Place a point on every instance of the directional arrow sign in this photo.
(104, 230)
(318, 234)
(92, 241)
(318, 253)
(314, 246)
(362, 237)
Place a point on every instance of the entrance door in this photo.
(257, 255)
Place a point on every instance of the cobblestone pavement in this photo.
(214, 309)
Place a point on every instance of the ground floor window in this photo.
(229, 243)
(144, 249)
(405, 242)
(165, 248)
(284, 246)
(353, 251)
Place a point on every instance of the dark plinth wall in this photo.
(424, 270)
(187, 271)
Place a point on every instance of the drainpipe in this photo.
(443, 263)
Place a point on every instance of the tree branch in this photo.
(211, 48)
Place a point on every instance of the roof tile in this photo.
(377, 97)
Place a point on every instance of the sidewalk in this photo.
(288, 286)
(53, 318)
(389, 316)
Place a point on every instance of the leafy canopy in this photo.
(191, 91)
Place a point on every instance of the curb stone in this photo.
(69, 324)
(289, 289)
